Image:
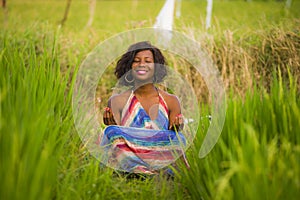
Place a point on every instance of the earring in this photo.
(126, 79)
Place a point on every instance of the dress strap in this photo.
(127, 105)
(163, 103)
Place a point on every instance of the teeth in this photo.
(141, 71)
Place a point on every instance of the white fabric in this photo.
(208, 13)
(164, 20)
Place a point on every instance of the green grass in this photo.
(42, 156)
(258, 154)
(237, 15)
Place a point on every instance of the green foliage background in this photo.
(257, 155)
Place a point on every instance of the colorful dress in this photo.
(141, 145)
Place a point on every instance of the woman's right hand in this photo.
(108, 117)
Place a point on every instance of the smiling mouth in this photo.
(141, 72)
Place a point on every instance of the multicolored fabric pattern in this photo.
(134, 115)
(141, 145)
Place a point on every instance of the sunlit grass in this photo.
(42, 156)
(258, 154)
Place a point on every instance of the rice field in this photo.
(256, 47)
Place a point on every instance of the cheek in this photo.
(153, 70)
(152, 66)
(134, 65)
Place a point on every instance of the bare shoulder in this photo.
(171, 99)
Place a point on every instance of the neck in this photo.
(146, 89)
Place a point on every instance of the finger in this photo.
(111, 114)
(175, 121)
(107, 111)
(171, 127)
(174, 125)
(105, 119)
(180, 119)
(110, 120)
(113, 122)
(111, 117)
(106, 116)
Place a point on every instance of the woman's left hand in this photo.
(177, 124)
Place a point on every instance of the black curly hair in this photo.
(125, 62)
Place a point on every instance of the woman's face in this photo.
(143, 66)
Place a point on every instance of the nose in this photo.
(142, 63)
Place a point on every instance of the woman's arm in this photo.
(111, 115)
(175, 116)
(108, 116)
(116, 103)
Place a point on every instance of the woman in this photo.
(143, 122)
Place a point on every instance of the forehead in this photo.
(144, 53)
